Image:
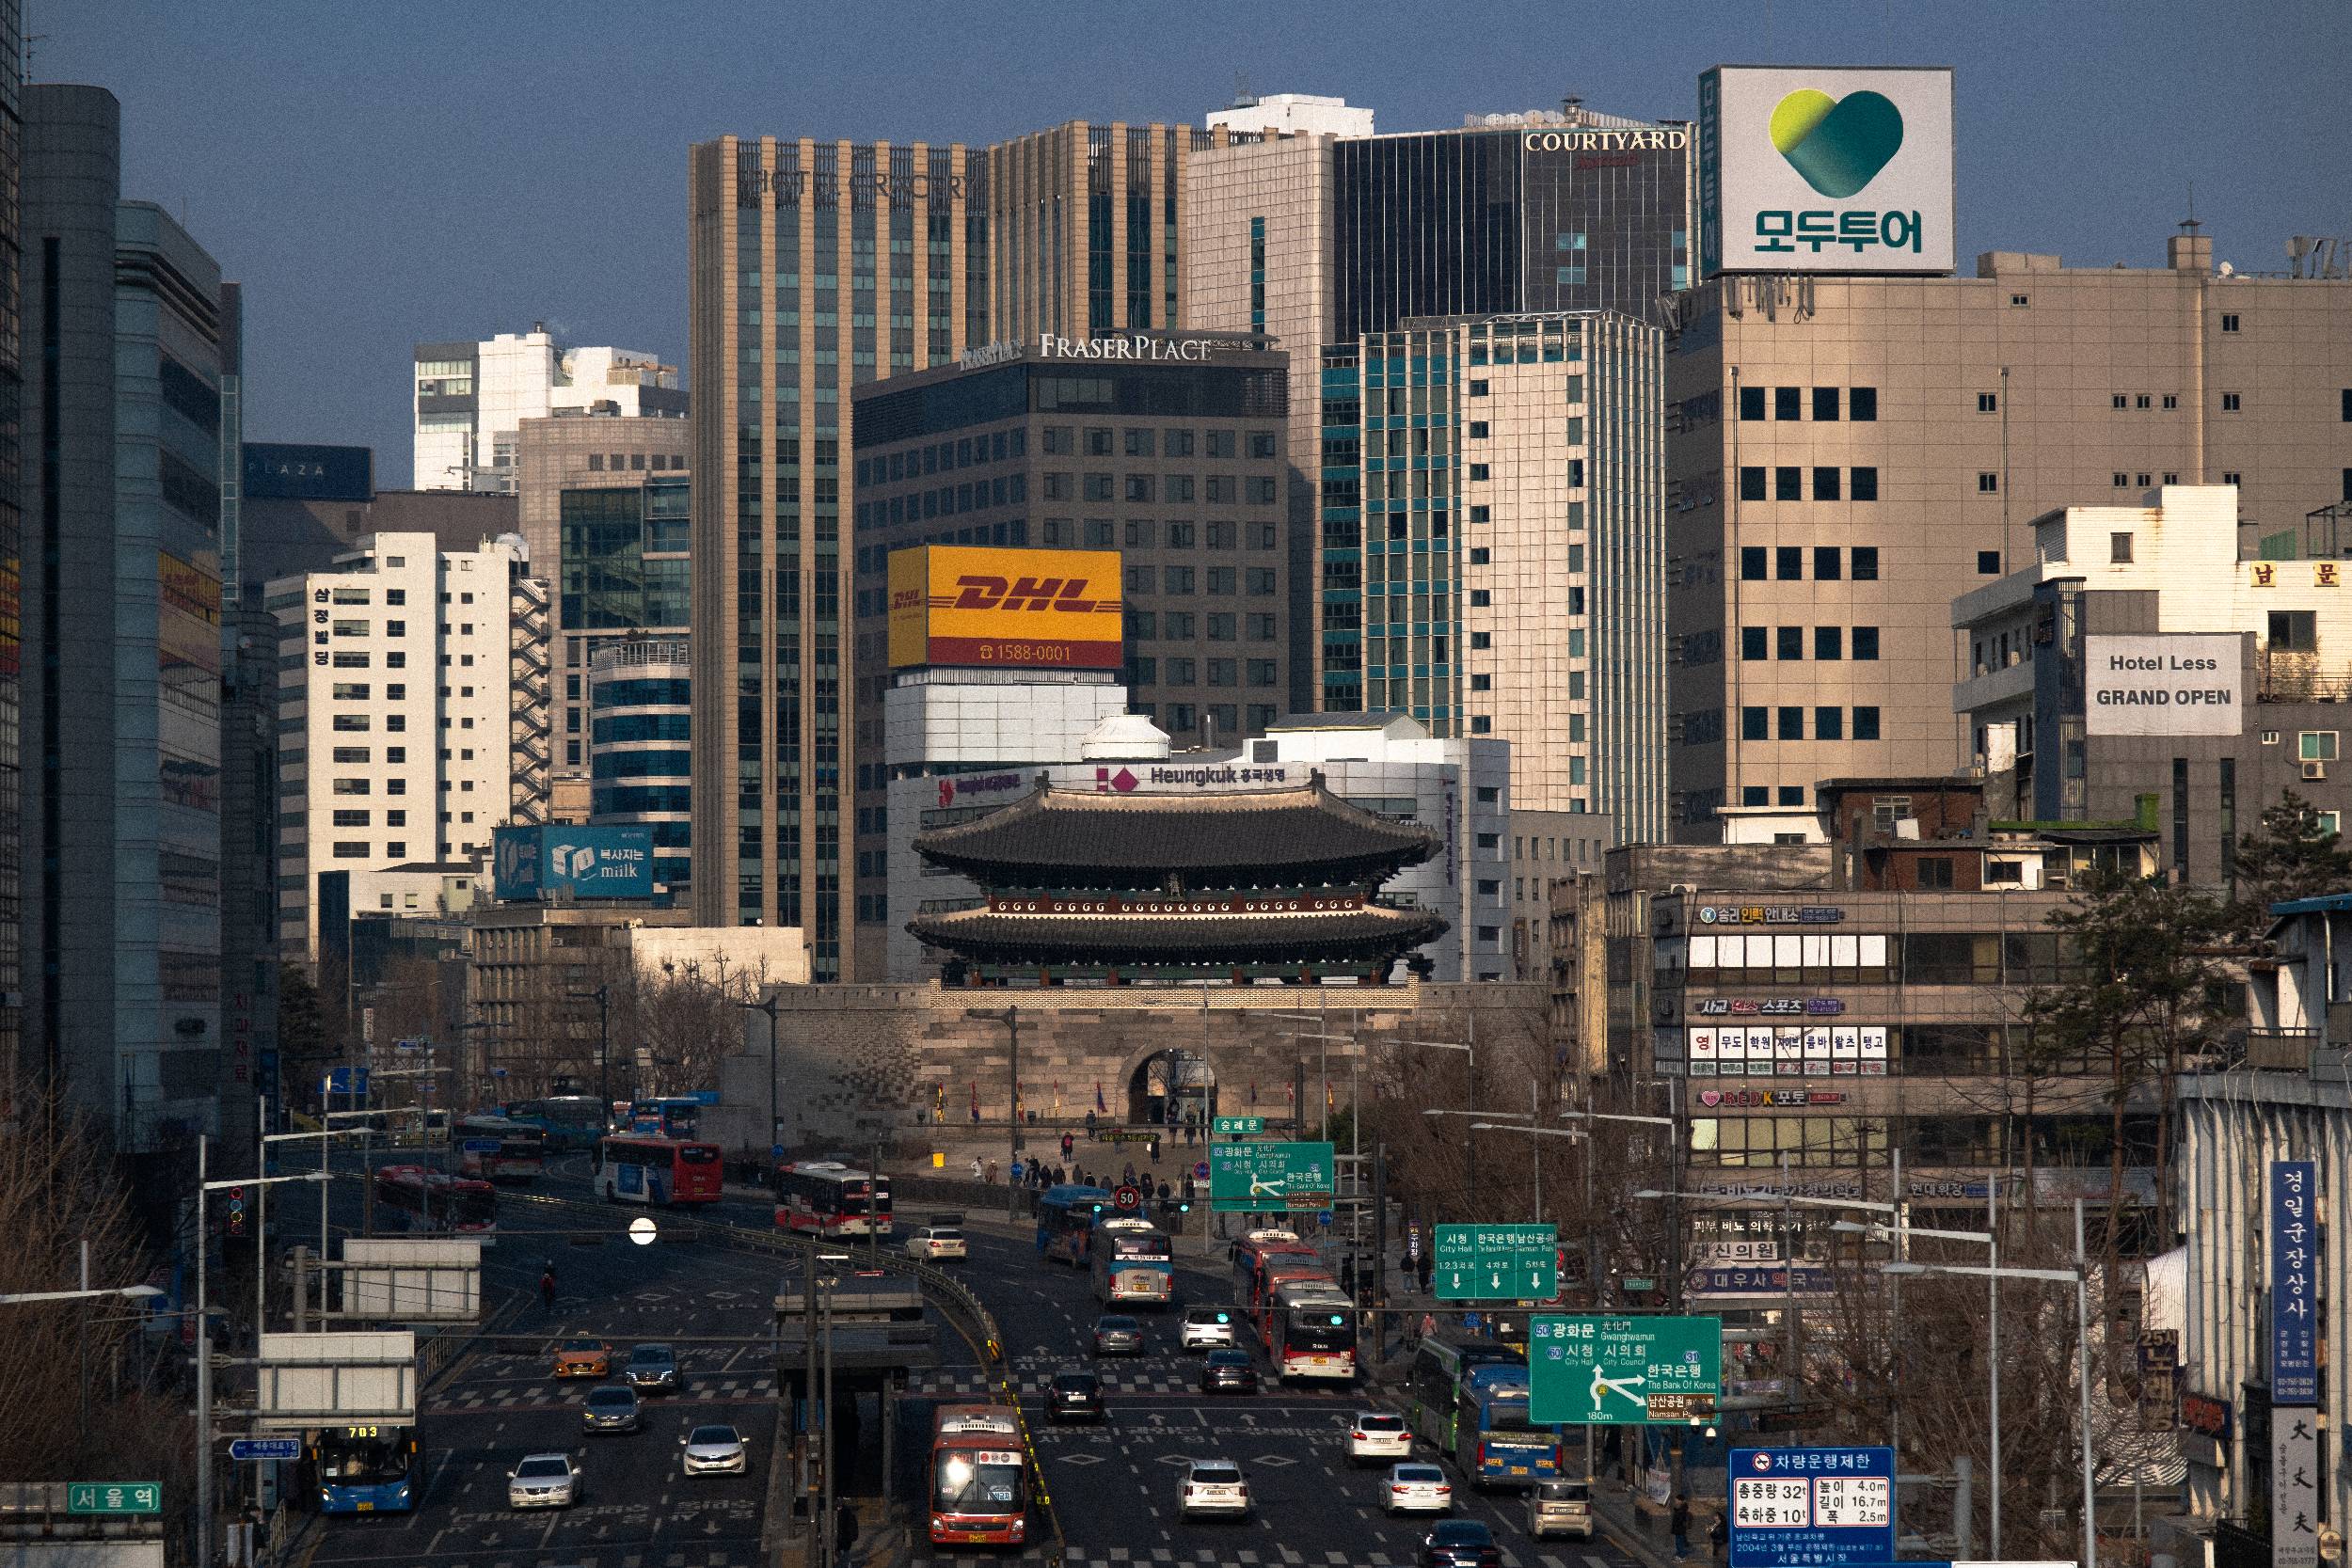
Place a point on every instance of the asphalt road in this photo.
(638, 1509)
(1114, 1485)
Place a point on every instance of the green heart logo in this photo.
(1837, 144)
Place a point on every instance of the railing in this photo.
(2281, 1050)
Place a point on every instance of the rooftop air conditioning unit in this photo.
(2314, 771)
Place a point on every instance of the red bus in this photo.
(639, 1167)
(1260, 1250)
(979, 1483)
(435, 1201)
(1280, 1272)
(1310, 1331)
(497, 1149)
(826, 1197)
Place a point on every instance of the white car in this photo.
(1416, 1489)
(931, 1242)
(1373, 1434)
(543, 1480)
(715, 1451)
(1208, 1328)
(1214, 1486)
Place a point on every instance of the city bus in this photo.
(1310, 1332)
(638, 1167)
(1134, 1264)
(571, 1121)
(673, 1116)
(1065, 1220)
(1260, 1251)
(500, 1150)
(980, 1485)
(1469, 1401)
(826, 1197)
(364, 1469)
(435, 1201)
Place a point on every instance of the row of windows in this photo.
(1787, 484)
(1788, 642)
(1060, 440)
(1143, 534)
(1180, 579)
(1213, 489)
(1222, 672)
(1787, 563)
(1146, 625)
(944, 501)
(635, 462)
(1788, 723)
(1860, 403)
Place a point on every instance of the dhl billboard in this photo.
(1033, 610)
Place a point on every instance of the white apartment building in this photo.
(1292, 113)
(413, 717)
(470, 397)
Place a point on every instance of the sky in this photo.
(387, 173)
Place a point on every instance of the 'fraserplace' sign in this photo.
(2170, 684)
(1138, 347)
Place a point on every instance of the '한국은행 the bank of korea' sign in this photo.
(1806, 168)
(2172, 682)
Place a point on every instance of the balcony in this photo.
(2281, 1050)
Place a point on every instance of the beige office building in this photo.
(1846, 455)
(818, 266)
(603, 513)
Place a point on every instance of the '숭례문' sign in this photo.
(2174, 683)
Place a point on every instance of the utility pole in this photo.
(203, 1371)
(774, 1116)
(1012, 1058)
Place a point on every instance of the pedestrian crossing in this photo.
(544, 1395)
(1276, 1557)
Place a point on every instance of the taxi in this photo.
(583, 1358)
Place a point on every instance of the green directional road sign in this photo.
(114, 1497)
(1236, 1127)
(1496, 1262)
(1254, 1177)
(1588, 1370)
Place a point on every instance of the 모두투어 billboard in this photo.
(1820, 168)
(1021, 608)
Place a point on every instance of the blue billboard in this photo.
(556, 862)
(1811, 1507)
(2294, 1282)
(276, 471)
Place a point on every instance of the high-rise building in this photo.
(413, 708)
(122, 820)
(605, 507)
(11, 527)
(1513, 534)
(640, 747)
(1845, 454)
(1317, 240)
(471, 397)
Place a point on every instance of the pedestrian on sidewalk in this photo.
(992, 1173)
(1090, 1133)
(844, 1533)
(547, 1291)
(1719, 1536)
(975, 1167)
(1679, 1520)
(1429, 1267)
(1068, 1146)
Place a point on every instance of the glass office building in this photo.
(641, 738)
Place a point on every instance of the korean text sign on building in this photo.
(1811, 1507)
(2294, 1277)
(1825, 169)
(1035, 609)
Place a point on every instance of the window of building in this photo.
(1751, 483)
(1177, 580)
(1788, 402)
(1988, 403)
(1098, 533)
(1829, 643)
(1864, 486)
(1934, 871)
(1223, 672)
(2228, 323)
(1478, 430)
(1754, 725)
(1788, 483)
(1988, 484)
(350, 849)
(1481, 683)
(1988, 563)
(1866, 563)
(1261, 443)
(1788, 722)
(1788, 563)
(1479, 471)
(1790, 642)
(1478, 388)
(1825, 485)
(1751, 559)
(1258, 580)
(1221, 580)
(1482, 725)
(1750, 403)
(1752, 644)
(2122, 480)
(2316, 746)
(2293, 631)
(1138, 488)
(1827, 565)
(1829, 723)
(1481, 599)
(1865, 723)
(1861, 405)
(1866, 642)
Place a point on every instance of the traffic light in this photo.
(236, 1210)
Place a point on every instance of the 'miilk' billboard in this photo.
(1828, 169)
(549, 863)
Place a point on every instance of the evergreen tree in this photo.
(2293, 854)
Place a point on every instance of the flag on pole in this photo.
(1099, 1107)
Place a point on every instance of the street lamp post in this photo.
(602, 996)
(2078, 1276)
(1571, 1133)
(1469, 1058)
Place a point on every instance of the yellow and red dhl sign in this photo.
(1047, 610)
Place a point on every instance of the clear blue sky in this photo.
(378, 173)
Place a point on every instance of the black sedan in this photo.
(1229, 1371)
(1074, 1396)
(652, 1368)
(1460, 1544)
(1117, 1333)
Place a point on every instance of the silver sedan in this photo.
(715, 1451)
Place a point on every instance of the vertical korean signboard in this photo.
(2294, 1277)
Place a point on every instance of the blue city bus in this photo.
(1469, 1401)
(674, 1116)
(1065, 1222)
(1136, 1263)
(571, 1121)
(365, 1469)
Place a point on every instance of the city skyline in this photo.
(2052, 157)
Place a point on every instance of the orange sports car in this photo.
(583, 1358)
